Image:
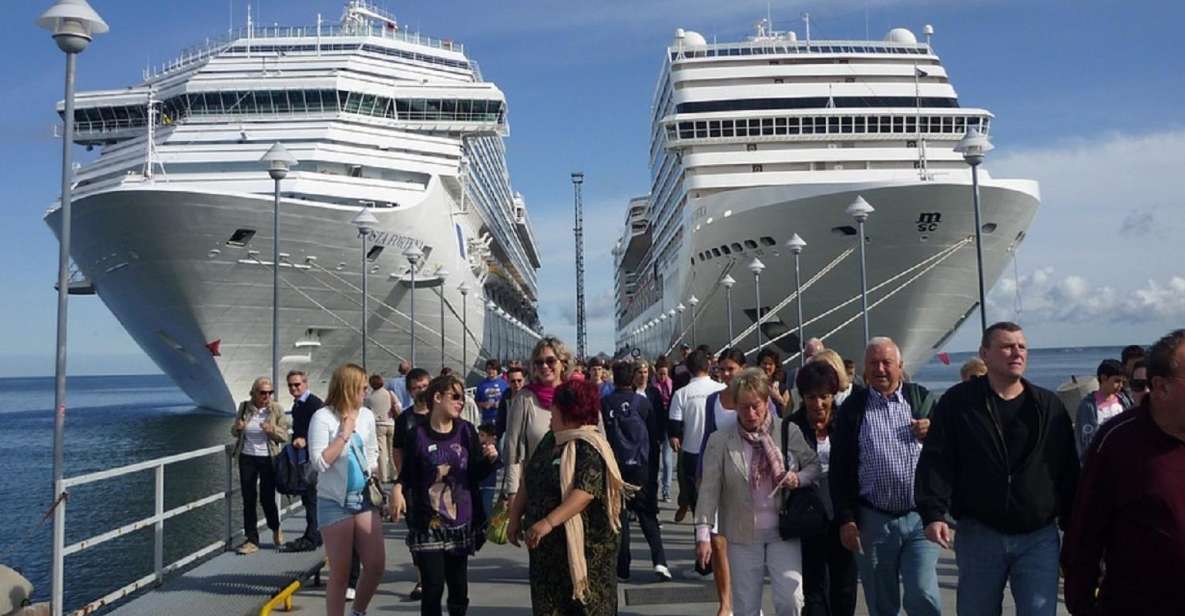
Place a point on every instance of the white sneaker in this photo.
(663, 573)
(349, 594)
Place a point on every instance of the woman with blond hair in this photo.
(571, 502)
(746, 474)
(439, 487)
(530, 411)
(344, 448)
(836, 362)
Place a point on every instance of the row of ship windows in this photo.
(352, 47)
(760, 127)
(764, 50)
(815, 102)
(293, 101)
(727, 249)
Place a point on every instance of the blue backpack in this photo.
(626, 430)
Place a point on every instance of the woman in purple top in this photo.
(444, 462)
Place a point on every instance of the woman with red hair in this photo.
(571, 498)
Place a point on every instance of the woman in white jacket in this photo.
(343, 447)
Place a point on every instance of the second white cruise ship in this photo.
(757, 141)
(173, 220)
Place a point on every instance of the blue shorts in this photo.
(330, 512)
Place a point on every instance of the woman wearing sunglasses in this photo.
(444, 463)
(260, 428)
(530, 411)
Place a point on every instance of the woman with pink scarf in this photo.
(746, 475)
(529, 415)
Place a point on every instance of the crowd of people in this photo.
(820, 479)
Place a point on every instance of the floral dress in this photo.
(551, 582)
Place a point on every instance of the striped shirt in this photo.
(888, 452)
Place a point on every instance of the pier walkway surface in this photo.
(498, 581)
(234, 585)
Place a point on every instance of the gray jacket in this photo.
(724, 491)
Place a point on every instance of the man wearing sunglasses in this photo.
(304, 404)
(1125, 548)
(260, 429)
(516, 378)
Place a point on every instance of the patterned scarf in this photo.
(767, 461)
(544, 393)
(616, 491)
(664, 389)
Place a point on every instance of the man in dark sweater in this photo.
(1000, 458)
(1129, 517)
(304, 405)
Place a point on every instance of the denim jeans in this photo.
(896, 547)
(988, 558)
(668, 468)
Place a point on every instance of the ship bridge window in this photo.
(768, 241)
(241, 237)
(715, 252)
(736, 247)
(724, 249)
(750, 244)
(814, 102)
(844, 230)
(373, 253)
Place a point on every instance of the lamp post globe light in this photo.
(973, 146)
(442, 275)
(728, 282)
(365, 221)
(73, 24)
(860, 210)
(693, 302)
(463, 289)
(756, 266)
(277, 160)
(796, 244)
(414, 256)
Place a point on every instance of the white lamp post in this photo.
(973, 146)
(278, 161)
(413, 255)
(693, 301)
(796, 244)
(728, 282)
(680, 308)
(442, 274)
(860, 210)
(504, 345)
(366, 222)
(756, 266)
(463, 289)
(492, 309)
(671, 316)
(73, 24)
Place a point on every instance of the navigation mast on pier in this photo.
(581, 332)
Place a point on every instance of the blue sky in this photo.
(1087, 98)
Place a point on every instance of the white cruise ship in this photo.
(173, 220)
(755, 141)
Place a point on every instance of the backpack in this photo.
(294, 473)
(626, 430)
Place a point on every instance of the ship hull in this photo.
(201, 308)
(914, 225)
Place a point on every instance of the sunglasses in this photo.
(292, 385)
(456, 396)
(1139, 384)
(549, 361)
(265, 392)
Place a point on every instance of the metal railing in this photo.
(156, 521)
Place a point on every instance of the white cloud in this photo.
(1048, 298)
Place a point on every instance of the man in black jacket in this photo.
(1000, 458)
(629, 421)
(874, 452)
(304, 405)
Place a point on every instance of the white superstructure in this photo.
(173, 220)
(757, 140)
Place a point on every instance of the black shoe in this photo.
(416, 593)
(303, 544)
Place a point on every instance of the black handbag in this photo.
(802, 514)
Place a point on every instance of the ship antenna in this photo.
(769, 17)
(806, 19)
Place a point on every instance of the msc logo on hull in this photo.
(928, 222)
